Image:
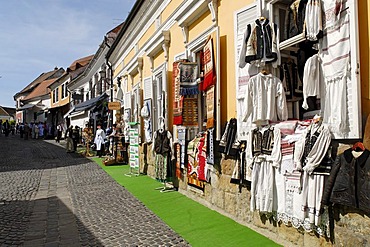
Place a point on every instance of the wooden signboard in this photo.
(114, 105)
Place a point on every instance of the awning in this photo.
(69, 112)
(27, 106)
(86, 105)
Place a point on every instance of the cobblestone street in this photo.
(52, 198)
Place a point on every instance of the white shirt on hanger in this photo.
(312, 79)
(313, 19)
(265, 100)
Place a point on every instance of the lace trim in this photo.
(306, 225)
(321, 229)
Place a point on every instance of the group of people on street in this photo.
(5, 128)
(103, 140)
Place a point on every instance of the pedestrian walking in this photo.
(26, 131)
(41, 130)
(99, 141)
(6, 127)
(68, 135)
(75, 137)
(21, 129)
(59, 133)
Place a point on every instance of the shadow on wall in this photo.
(224, 79)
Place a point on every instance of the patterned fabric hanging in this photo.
(188, 78)
(209, 72)
(177, 98)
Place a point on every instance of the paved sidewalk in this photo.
(52, 198)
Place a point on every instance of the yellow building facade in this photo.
(158, 34)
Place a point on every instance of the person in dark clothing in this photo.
(21, 129)
(6, 127)
(26, 131)
(75, 137)
(69, 138)
(59, 133)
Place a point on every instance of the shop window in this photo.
(64, 91)
(127, 105)
(54, 96)
(136, 102)
(159, 95)
(57, 94)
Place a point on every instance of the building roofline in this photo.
(126, 24)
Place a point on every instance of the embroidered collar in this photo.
(361, 159)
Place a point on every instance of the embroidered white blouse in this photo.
(265, 100)
(318, 150)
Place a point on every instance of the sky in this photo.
(38, 35)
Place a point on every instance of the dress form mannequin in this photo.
(162, 149)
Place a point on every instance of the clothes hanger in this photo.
(358, 146)
(265, 71)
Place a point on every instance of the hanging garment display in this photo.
(243, 167)
(177, 98)
(299, 193)
(296, 83)
(210, 147)
(286, 80)
(178, 172)
(289, 203)
(209, 71)
(182, 141)
(313, 84)
(313, 19)
(308, 154)
(294, 19)
(332, 10)
(190, 111)
(197, 170)
(162, 147)
(260, 42)
(310, 150)
(210, 104)
(335, 57)
(244, 75)
(189, 78)
(265, 100)
(264, 166)
(228, 138)
(146, 115)
(349, 181)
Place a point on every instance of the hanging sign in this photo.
(114, 106)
